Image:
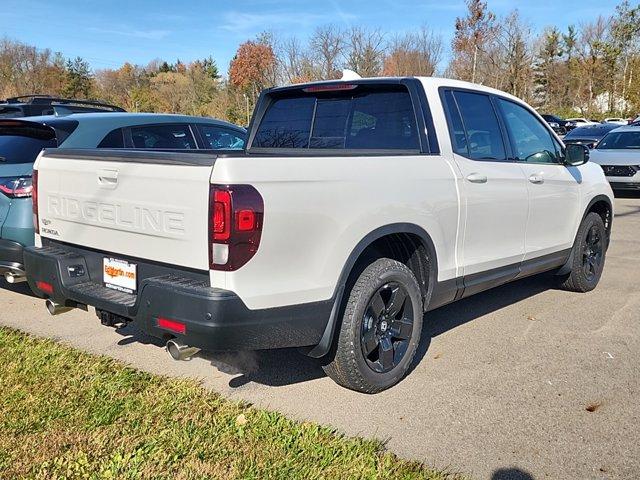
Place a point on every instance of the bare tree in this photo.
(296, 63)
(413, 54)
(365, 53)
(328, 45)
(474, 33)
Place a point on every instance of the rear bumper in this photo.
(11, 256)
(214, 319)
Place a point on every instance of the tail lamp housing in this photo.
(236, 213)
(16, 187)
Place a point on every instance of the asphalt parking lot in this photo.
(521, 382)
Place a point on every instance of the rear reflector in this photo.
(172, 325)
(245, 220)
(45, 287)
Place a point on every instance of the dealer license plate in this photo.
(119, 275)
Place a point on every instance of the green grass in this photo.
(68, 414)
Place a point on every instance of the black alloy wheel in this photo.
(387, 327)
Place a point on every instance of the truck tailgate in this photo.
(149, 205)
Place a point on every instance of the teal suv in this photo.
(22, 139)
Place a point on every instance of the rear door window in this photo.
(482, 130)
(167, 136)
(360, 118)
(21, 143)
(221, 138)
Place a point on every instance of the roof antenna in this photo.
(350, 75)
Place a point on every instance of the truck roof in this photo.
(429, 82)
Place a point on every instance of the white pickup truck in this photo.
(357, 207)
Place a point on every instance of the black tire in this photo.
(587, 256)
(363, 330)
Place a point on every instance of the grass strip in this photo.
(69, 414)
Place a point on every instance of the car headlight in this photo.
(554, 124)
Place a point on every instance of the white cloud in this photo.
(132, 32)
(243, 23)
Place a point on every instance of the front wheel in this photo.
(588, 256)
(380, 328)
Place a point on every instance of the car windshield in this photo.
(21, 143)
(620, 141)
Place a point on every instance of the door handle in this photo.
(477, 178)
(537, 179)
(108, 178)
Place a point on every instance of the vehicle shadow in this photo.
(288, 366)
(21, 288)
(511, 474)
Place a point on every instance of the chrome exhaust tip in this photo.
(180, 351)
(14, 277)
(55, 308)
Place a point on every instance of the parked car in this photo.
(618, 153)
(616, 121)
(589, 135)
(583, 122)
(560, 126)
(38, 105)
(357, 206)
(22, 139)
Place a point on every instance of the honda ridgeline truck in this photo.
(356, 207)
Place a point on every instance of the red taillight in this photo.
(34, 200)
(172, 325)
(45, 287)
(221, 215)
(233, 243)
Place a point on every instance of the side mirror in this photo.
(576, 155)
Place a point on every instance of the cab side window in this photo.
(530, 140)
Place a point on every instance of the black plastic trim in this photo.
(625, 186)
(195, 158)
(326, 342)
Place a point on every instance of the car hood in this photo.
(615, 157)
(15, 169)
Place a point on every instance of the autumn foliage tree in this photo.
(251, 70)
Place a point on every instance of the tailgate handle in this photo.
(108, 178)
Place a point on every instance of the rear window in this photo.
(21, 143)
(9, 112)
(363, 118)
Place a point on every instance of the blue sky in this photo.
(107, 33)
